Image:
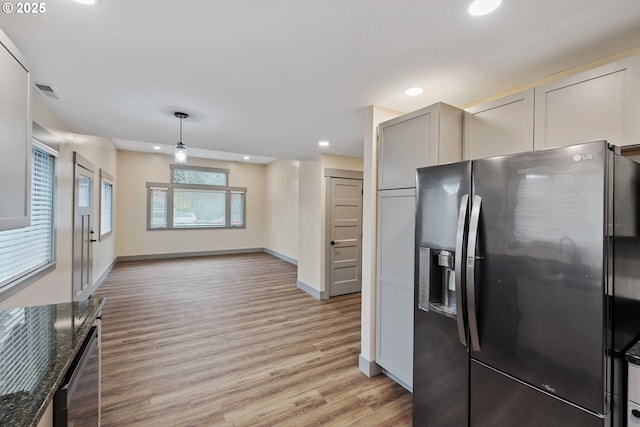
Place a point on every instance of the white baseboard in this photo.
(104, 274)
(188, 254)
(320, 295)
(368, 367)
(281, 256)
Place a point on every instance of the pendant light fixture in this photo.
(181, 149)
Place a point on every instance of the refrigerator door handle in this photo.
(470, 282)
(462, 222)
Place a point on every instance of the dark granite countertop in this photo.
(633, 354)
(37, 346)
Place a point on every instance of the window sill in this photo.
(239, 227)
(21, 283)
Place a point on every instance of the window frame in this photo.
(169, 188)
(105, 178)
(20, 281)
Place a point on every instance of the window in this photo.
(28, 250)
(158, 207)
(199, 175)
(106, 204)
(197, 197)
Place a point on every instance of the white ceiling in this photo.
(273, 77)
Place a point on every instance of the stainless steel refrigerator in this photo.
(527, 288)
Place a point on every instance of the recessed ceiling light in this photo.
(247, 158)
(323, 143)
(482, 7)
(85, 1)
(157, 147)
(413, 91)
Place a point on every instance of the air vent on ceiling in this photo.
(47, 90)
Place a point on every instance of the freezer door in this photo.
(539, 271)
(440, 373)
(441, 358)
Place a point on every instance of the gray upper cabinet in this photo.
(601, 103)
(15, 137)
(429, 136)
(502, 126)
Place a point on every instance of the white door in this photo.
(345, 236)
(83, 235)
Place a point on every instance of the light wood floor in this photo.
(230, 341)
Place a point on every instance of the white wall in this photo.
(55, 286)
(132, 238)
(373, 116)
(281, 207)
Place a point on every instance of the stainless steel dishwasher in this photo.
(77, 401)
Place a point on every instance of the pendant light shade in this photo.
(181, 149)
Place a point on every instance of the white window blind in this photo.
(237, 208)
(106, 207)
(25, 250)
(158, 207)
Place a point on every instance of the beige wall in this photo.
(330, 161)
(281, 207)
(309, 224)
(136, 169)
(55, 286)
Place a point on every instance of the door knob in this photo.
(333, 242)
(93, 240)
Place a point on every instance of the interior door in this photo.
(345, 236)
(83, 235)
(539, 281)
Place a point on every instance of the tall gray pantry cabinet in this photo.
(429, 136)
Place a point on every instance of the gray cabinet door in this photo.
(426, 137)
(15, 137)
(394, 290)
(403, 147)
(503, 126)
(602, 103)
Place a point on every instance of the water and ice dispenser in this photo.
(441, 214)
(437, 284)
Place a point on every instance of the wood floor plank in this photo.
(230, 341)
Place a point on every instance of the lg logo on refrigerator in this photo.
(579, 157)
